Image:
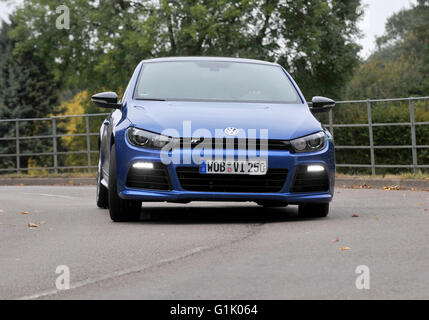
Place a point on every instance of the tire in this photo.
(120, 210)
(102, 195)
(313, 210)
(271, 203)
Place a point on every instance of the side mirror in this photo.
(322, 104)
(106, 100)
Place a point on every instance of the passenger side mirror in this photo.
(106, 100)
(321, 104)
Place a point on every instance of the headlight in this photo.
(146, 139)
(311, 143)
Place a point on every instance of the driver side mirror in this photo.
(321, 104)
(106, 100)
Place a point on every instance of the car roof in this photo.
(216, 59)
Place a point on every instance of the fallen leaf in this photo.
(355, 215)
(335, 240)
(32, 225)
(393, 188)
(24, 212)
(17, 259)
(377, 218)
(345, 248)
(354, 187)
(42, 222)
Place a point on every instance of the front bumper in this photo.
(128, 154)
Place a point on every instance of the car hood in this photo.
(283, 121)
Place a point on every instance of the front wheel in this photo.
(121, 210)
(313, 210)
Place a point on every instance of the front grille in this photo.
(310, 181)
(156, 178)
(236, 143)
(192, 180)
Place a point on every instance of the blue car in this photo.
(213, 129)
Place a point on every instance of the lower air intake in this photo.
(191, 180)
(310, 181)
(155, 179)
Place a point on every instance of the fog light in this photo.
(143, 165)
(315, 168)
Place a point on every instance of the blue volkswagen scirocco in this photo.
(213, 129)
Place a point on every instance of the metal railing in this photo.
(370, 125)
(415, 166)
(54, 136)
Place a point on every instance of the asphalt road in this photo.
(213, 250)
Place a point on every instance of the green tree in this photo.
(315, 40)
(400, 65)
(27, 90)
(321, 49)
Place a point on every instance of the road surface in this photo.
(206, 250)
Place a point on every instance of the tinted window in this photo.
(215, 81)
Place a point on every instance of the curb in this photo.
(48, 181)
(353, 183)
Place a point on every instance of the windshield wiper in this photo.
(149, 99)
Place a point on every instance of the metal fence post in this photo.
(54, 144)
(371, 137)
(413, 136)
(331, 122)
(88, 143)
(18, 164)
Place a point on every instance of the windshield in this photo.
(215, 81)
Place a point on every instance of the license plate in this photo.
(234, 167)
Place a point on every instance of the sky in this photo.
(376, 14)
